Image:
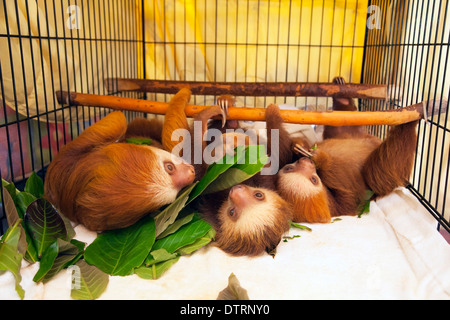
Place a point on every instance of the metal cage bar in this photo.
(410, 51)
(51, 45)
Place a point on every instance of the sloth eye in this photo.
(170, 167)
(259, 195)
(314, 180)
(288, 168)
(231, 212)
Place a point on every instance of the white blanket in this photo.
(394, 252)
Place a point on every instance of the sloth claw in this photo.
(225, 101)
(338, 80)
(302, 151)
(223, 104)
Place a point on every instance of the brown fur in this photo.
(146, 128)
(390, 165)
(349, 162)
(314, 209)
(238, 243)
(342, 104)
(105, 184)
(339, 164)
(175, 118)
(348, 167)
(197, 137)
(237, 240)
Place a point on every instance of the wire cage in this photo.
(77, 45)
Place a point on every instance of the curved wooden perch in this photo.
(278, 89)
(333, 118)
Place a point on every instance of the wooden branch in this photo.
(333, 118)
(283, 89)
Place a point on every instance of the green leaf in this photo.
(47, 260)
(26, 246)
(58, 256)
(233, 291)
(232, 170)
(118, 252)
(214, 170)
(176, 225)
(286, 238)
(10, 257)
(240, 172)
(300, 226)
(186, 235)
(170, 213)
(253, 155)
(88, 282)
(68, 225)
(10, 187)
(22, 201)
(199, 243)
(156, 270)
(159, 255)
(140, 141)
(12, 217)
(79, 244)
(364, 206)
(68, 255)
(34, 186)
(44, 224)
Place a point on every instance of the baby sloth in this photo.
(252, 217)
(302, 187)
(347, 163)
(335, 179)
(251, 221)
(105, 184)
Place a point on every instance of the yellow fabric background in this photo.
(263, 41)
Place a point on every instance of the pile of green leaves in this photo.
(38, 233)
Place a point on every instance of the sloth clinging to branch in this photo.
(334, 179)
(249, 218)
(104, 183)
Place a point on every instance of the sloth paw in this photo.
(224, 101)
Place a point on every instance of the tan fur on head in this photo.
(309, 202)
(258, 229)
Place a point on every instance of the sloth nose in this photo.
(306, 159)
(183, 176)
(236, 187)
(306, 162)
(191, 171)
